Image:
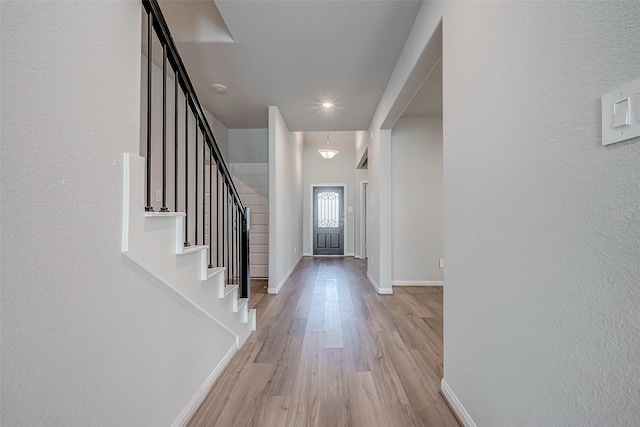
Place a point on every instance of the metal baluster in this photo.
(232, 252)
(164, 129)
(230, 238)
(186, 170)
(148, 207)
(204, 192)
(175, 141)
(245, 279)
(195, 194)
(218, 252)
(224, 250)
(210, 208)
(239, 244)
(235, 240)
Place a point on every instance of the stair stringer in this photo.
(154, 241)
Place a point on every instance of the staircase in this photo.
(154, 240)
(194, 235)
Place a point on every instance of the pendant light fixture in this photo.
(327, 152)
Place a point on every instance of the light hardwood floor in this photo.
(329, 352)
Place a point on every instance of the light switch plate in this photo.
(621, 113)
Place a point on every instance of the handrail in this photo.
(164, 35)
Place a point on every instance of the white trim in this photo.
(379, 290)
(418, 283)
(349, 254)
(126, 179)
(278, 288)
(455, 404)
(307, 254)
(344, 215)
(362, 236)
(197, 399)
(328, 256)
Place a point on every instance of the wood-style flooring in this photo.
(328, 351)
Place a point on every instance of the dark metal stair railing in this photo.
(227, 216)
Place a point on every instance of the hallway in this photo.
(329, 351)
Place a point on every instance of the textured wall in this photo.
(416, 196)
(542, 223)
(88, 337)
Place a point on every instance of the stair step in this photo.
(163, 214)
(190, 249)
(211, 272)
(229, 288)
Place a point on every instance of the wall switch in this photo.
(621, 113)
(441, 263)
(295, 250)
(158, 195)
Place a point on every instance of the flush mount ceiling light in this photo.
(327, 104)
(328, 153)
(219, 88)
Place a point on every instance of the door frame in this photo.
(362, 219)
(344, 215)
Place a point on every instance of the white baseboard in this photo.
(202, 392)
(379, 290)
(418, 283)
(455, 404)
(349, 254)
(277, 289)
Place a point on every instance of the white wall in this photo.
(416, 195)
(339, 170)
(542, 223)
(249, 145)
(285, 200)
(416, 59)
(252, 182)
(88, 337)
(220, 133)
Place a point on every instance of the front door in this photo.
(328, 221)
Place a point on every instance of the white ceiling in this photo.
(292, 54)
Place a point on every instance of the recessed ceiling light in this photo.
(219, 88)
(327, 104)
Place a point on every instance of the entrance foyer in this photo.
(329, 351)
